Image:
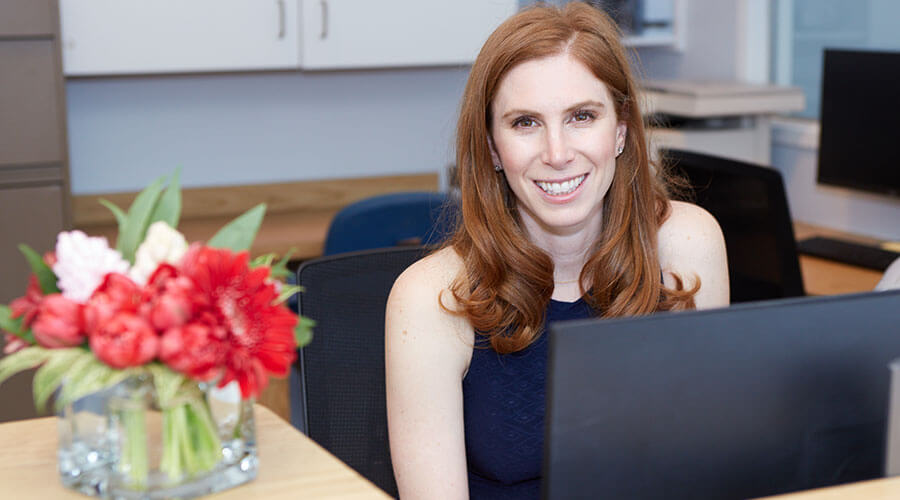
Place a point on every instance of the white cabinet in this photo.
(338, 34)
(120, 37)
(107, 37)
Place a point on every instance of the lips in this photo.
(561, 188)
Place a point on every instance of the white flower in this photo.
(162, 244)
(82, 262)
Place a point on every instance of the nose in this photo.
(557, 150)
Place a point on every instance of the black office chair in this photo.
(750, 204)
(337, 383)
(388, 220)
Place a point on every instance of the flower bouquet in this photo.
(153, 351)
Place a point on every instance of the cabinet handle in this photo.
(324, 34)
(280, 19)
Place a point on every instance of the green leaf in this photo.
(7, 323)
(239, 234)
(44, 274)
(14, 325)
(77, 371)
(166, 382)
(22, 360)
(303, 331)
(168, 209)
(121, 218)
(263, 260)
(50, 376)
(137, 220)
(287, 292)
(280, 270)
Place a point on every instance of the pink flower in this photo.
(82, 262)
(117, 293)
(195, 349)
(125, 340)
(59, 322)
(13, 344)
(27, 306)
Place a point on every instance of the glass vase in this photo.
(137, 440)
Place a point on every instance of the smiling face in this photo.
(555, 133)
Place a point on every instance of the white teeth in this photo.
(558, 188)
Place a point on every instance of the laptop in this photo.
(752, 400)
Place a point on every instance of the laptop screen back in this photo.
(747, 401)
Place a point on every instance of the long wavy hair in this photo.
(507, 281)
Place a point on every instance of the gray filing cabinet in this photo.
(34, 179)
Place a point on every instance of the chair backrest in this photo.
(750, 204)
(337, 383)
(407, 218)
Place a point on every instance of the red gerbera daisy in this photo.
(259, 334)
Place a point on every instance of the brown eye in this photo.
(583, 116)
(523, 122)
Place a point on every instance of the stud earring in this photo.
(497, 167)
(619, 150)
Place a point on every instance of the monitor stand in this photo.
(848, 252)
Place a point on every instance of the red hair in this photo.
(507, 280)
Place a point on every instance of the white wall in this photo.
(709, 31)
(253, 128)
(794, 154)
(260, 127)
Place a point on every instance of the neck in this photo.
(569, 250)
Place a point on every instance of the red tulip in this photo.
(115, 294)
(27, 306)
(125, 340)
(169, 302)
(59, 322)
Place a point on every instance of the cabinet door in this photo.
(29, 105)
(27, 18)
(106, 37)
(31, 215)
(352, 34)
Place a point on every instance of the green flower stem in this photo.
(134, 454)
(191, 444)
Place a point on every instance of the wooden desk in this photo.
(885, 489)
(291, 465)
(828, 277)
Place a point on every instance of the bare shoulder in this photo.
(691, 245)
(687, 221)
(429, 278)
(419, 310)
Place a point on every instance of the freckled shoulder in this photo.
(415, 301)
(431, 276)
(691, 245)
(685, 221)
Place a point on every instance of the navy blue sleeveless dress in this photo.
(503, 397)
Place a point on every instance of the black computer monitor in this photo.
(859, 113)
(752, 400)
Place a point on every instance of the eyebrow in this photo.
(582, 104)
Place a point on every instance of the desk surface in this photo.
(291, 465)
(870, 490)
(828, 277)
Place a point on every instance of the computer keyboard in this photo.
(856, 254)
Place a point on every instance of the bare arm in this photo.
(691, 245)
(427, 352)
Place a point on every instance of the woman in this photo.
(562, 218)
